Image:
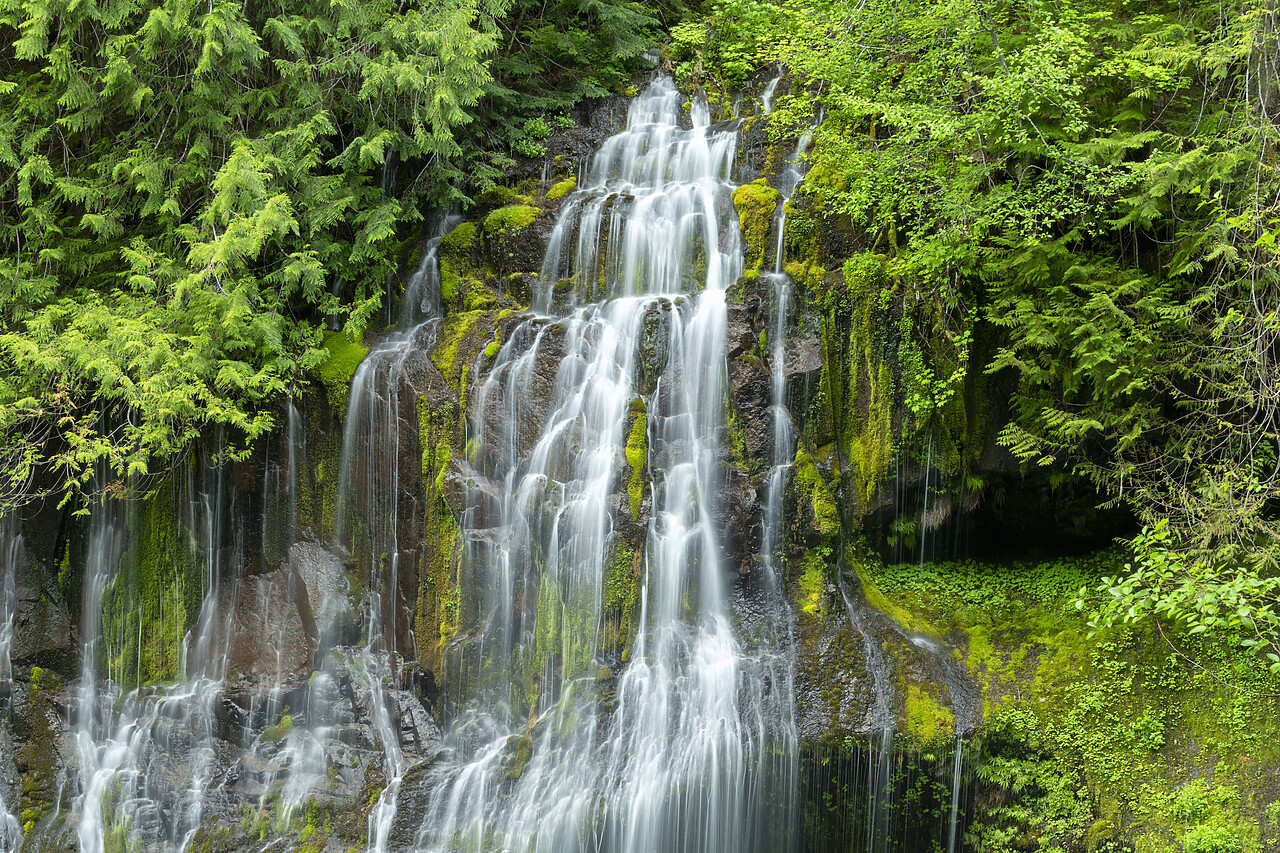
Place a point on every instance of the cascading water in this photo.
(147, 754)
(10, 553)
(767, 96)
(380, 414)
(682, 739)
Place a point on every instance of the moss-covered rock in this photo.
(756, 203)
(515, 217)
(155, 595)
(927, 723)
(336, 370)
(637, 453)
(37, 725)
(561, 189)
(1146, 736)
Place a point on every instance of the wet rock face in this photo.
(651, 359)
(834, 689)
(518, 252)
(525, 376)
(324, 596)
(268, 639)
(42, 630)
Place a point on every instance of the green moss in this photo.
(857, 394)
(810, 485)
(1097, 738)
(438, 595)
(476, 296)
(521, 755)
(812, 583)
(456, 246)
(562, 189)
(38, 759)
(278, 732)
(927, 723)
(515, 217)
(461, 338)
(496, 195)
(155, 595)
(336, 370)
(637, 452)
(755, 203)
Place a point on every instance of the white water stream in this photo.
(10, 553)
(687, 742)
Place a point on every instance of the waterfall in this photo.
(957, 771)
(381, 410)
(147, 754)
(11, 546)
(678, 736)
(766, 97)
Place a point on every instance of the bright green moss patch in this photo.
(477, 297)
(812, 583)
(335, 372)
(460, 339)
(1154, 737)
(928, 722)
(562, 189)
(637, 452)
(809, 484)
(458, 243)
(516, 217)
(278, 732)
(755, 203)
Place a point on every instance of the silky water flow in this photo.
(684, 740)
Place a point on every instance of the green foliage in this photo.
(1212, 839)
(1087, 188)
(1095, 739)
(551, 57)
(728, 46)
(1087, 174)
(188, 191)
(1170, 586)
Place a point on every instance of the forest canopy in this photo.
(1091, 189)
(1082, 194)
(190, 191)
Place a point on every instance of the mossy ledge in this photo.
(755, 203)
(336, 371)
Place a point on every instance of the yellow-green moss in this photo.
(336, 370)
(457, 244)
(1124, 738)
(812, 583)
(637, 452)
(496, 195)
(477, 297)
(457, 344)
(437, 611)
(522, 753)
(927, 723)
(515, 217)
(278, 732)
(809, 484)
(755, 203)
(155, 595)
(562, 189)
